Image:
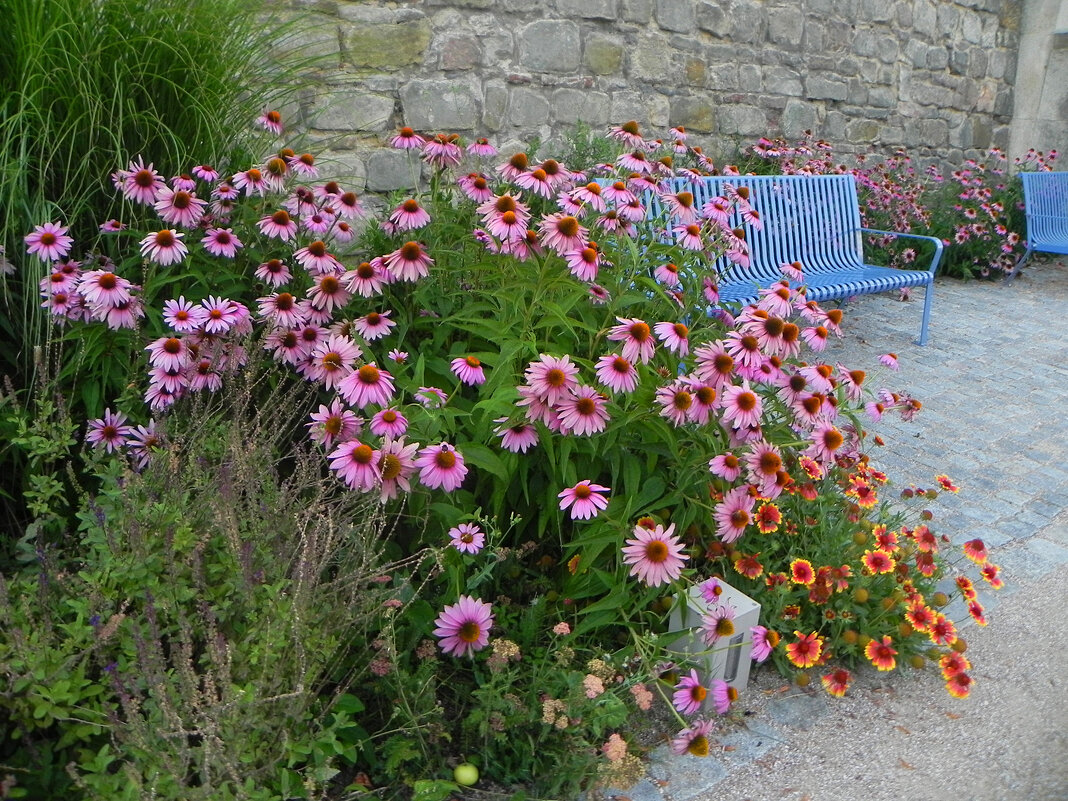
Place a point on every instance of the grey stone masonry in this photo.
(935, 76)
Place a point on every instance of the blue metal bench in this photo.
(811, 219)
(1046, 207)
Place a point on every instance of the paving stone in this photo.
(1032, 559)
(799, 711)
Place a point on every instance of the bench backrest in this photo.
(1046, 205)
(814, 219)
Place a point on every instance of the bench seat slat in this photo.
(1046, 210)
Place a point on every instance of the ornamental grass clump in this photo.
(536, 386)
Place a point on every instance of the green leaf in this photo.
(483, 458)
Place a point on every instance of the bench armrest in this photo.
(937, 243)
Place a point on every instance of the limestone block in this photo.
(652, 60)
(882, 97)
(813, 39)
(441, 105)
(937, 58)
(783, 81)
(346, 167)
(798, 117)
(572, 105)
(862, 131)
(743, 120)
(473, 3)
(550, 46)
(675, 15)
(723, 77)
(695, 113)
(603, 55)
(711, 17)
(494, 105)
(389, 169)
(315, 37)
(748, 21)
(695, 72)
(528, 107)
(461, 52)
(388, 45)
(877, 10)
(978, 63)
(971, 27)
(588, 9)
(637, 11)
(933, 133)
(857, 91)
(947, 18)
(343, 108)
(887, 48)
(834, 126)
(864, 42)
(818, 87)
(925, 17)
(651, 110)
(916, 53)
(785, 28)
(750, 78)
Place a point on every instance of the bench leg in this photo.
(1019, 264)
(928, 297)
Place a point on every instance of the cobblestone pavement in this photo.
(994, 385)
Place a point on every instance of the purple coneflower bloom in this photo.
(356, 464)
(469, 370)
(374, 325)
(584, 263)
(584, 499)
(179, 207)
(463, 627)
(442, 151)
(675, 401)
(763, 643)
(271, 121)
(278, 225)
(49, 242)
(742, 407)
(693, 740)
(281, 310)
(395, 466)
(637, 339)
(164, 247)
(617, 373)
(407, 139)
(389, 423)
(139, 183)
(656, 555)
(482, 148)
(409, 262)
(583, 412)
(562, 233)
(441, 466)
(221, 242)
(516, 437)
(718, 623)
(409, 215)
(367, 385)
(334, 423)
(467, 538)
(251, 180)
(274, 272)
(104, 289)
(206, 172)
(675, 336)
(689, 694)
(430, 397)
(108, 432)
(170, 353)
(733, 514)
(142, 441)
(723, 695)
(112, 226)
(327, 293)
(551, 378)
(316, 259)
(476, 186)
(368, 278)
(219, 315)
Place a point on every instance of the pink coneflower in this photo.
(281, 310)
(516, 437)
(723, 695)
(407, 139)
(656, 555)
(584, 499)
(476, 186)
(469, 370)
(463, 627)
(584, 263)
(826, 442)
(409, 215)
(562, 233)
(342, 232)
(764, 642)
(741, 406)
(890, 360)
(726, 466)
(675, 401)
(442, 151)
(356, 464)
(48, 242)
(367, 385)
(103, 289)
(637, 339)
(164, 247)
(271, 121)
(583, 412)
(367, 279)
(218, 316)
(598, 295)
(617, 193)
(389, 423)
(179, 207)
(551, 378)
(331, 359)
(693, 740)
(635, 161)
(112, 226)
(764, 461)
(275, 172)
(590, 194)
(202, 375)
(409, 262)
(123, 314)
(139, 183)
(467, 538)
(374, 325)
(221, 242)
(689, 694)
(617, 373)
(668, 274)
(316, 259)
(206, 172)
(675, 337)
(441, 466)
(159, 397)
(733, 514)
(251, 180)
(334, 423)
(718, 623)
(816, 337)
(431, 397)
(303, 165)
(142, 441)
(628, 133)
(680, 204)
(536, 181)
(482, 148)
(396, 463)
(398, 356)
(278, 225)
(328, 293)
(170, 353)
(108, 432)
(689, 236)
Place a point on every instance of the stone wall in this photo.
(933, 75)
